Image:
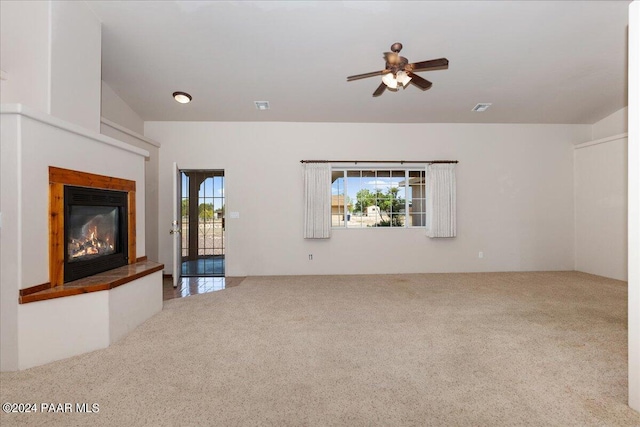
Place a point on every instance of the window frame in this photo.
(407, 188)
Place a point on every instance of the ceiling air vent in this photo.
(262, 105)
(483, 106)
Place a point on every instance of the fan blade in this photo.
(380, 89)
(434, 64)
(419, 81)
(365, 75)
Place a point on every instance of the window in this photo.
(363, 198)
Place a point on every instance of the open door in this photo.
(176, 225)
(203, 223)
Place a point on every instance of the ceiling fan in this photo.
(398, 72)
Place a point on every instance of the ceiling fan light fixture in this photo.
(403, 78)
(399, 72)
(182, 97)
(390, 80)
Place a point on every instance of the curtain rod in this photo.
(379, 161)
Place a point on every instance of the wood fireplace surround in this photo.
(58, 179)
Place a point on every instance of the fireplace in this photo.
(95, 229)
(92, 224)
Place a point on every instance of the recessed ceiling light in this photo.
(262, 105)
(182, 97)
(483, 106)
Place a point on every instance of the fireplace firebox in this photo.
(95, 230)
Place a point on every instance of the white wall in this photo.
(515, 194)
(121, 122)
(10, 243)
(63, 327)
(116, 110)
(614, 124)
(55, 329)
(601, 208)
(600, 175)
(130, 306)
(76, 47)
(25, 53)
(634, 205)
(150, 180)
(51, 54)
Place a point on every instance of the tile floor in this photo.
(197, 285)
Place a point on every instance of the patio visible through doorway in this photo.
(208, 266)
(203, 223)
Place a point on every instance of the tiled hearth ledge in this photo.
(98, 282)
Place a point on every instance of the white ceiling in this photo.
(536, 61)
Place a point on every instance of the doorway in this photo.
(203, 223)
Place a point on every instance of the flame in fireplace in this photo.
(92, 242)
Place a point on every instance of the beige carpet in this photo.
(425, 349)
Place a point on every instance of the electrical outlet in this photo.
(480, 254)
(310, 257)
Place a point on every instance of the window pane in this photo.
(218, 186)
(353, 187)
(372, 216)
(417, 212)
(338, 200)
(356, 220)
(401, 191)
(419, 191)
(416, 181)
(416, 194)
(397, 220)
(337, 210)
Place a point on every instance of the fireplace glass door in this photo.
(95, 226)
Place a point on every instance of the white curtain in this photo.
(317, 200)
(441, 200)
